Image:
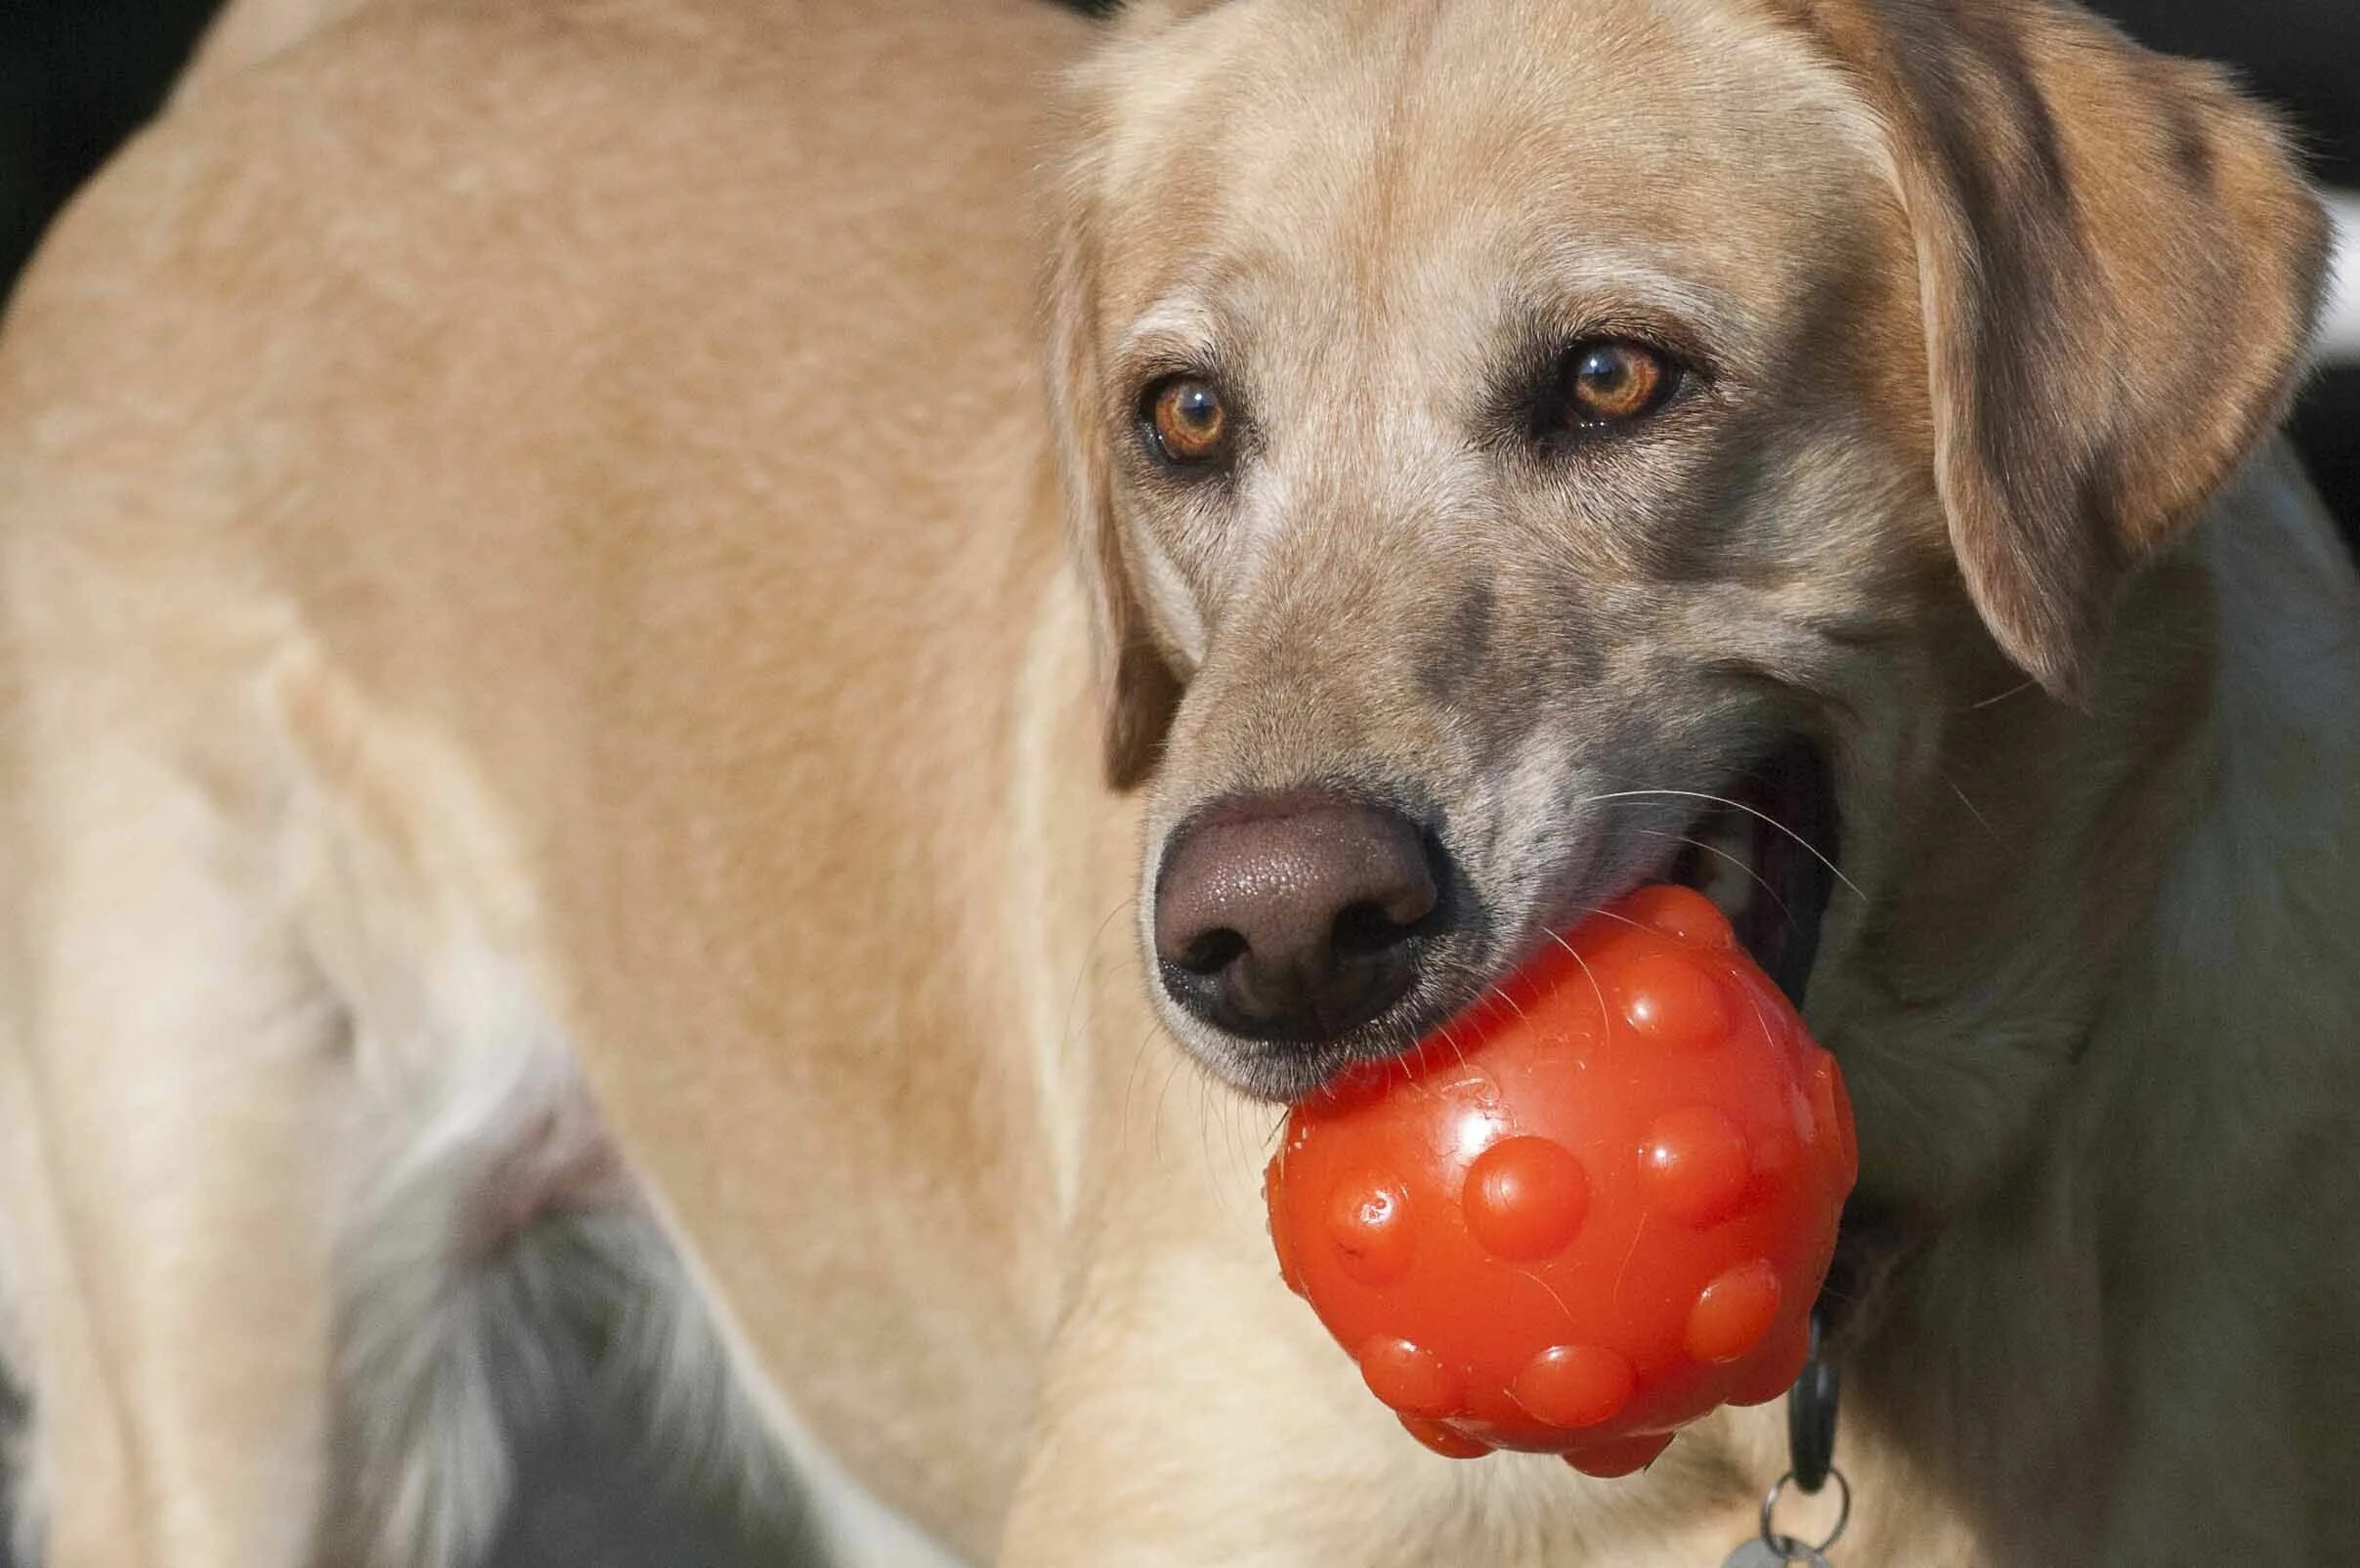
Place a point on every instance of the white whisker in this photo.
(1738, 861)
(1984, 823)
(1736, 805)
(1603, 1012)
(1994, 702)
(1443, 1032)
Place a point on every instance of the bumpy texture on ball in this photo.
(1590, 1211)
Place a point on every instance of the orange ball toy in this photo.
(1588, 1211)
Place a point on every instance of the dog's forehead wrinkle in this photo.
(1513, 91)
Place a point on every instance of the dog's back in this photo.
(469, 494)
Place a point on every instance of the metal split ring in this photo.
(1789, 1544)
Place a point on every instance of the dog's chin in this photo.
(1763, 849)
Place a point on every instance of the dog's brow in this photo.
(1176, 328)
(1578, 287)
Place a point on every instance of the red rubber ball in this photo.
(1586, 1213)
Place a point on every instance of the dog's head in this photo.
(1523, 447)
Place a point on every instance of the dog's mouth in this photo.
(1766, 853)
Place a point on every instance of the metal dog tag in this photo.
(1762, 1554)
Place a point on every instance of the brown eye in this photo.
(1188, 421)
(1610, 381)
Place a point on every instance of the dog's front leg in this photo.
(182, 1094)
(1191, 1420)
(1194, 1415)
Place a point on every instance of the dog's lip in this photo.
(1777, 886)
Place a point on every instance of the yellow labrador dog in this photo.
(605, 692)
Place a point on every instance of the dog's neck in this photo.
(2000, 881)
(2083, 947)
(2038, 859)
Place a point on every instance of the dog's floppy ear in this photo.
(1140, 688)
(2118, 266)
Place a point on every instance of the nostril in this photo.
(1368, 928)
(1296, 916)
(1209, 954)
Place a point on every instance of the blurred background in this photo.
(76, 76)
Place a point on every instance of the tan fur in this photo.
(246, 34)
(530, 578)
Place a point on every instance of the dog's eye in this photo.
(1186, 421)
(1610, 381)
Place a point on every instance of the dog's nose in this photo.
(1293, 917)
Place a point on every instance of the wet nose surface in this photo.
(1296, 916)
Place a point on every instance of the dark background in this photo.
(78, 75)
